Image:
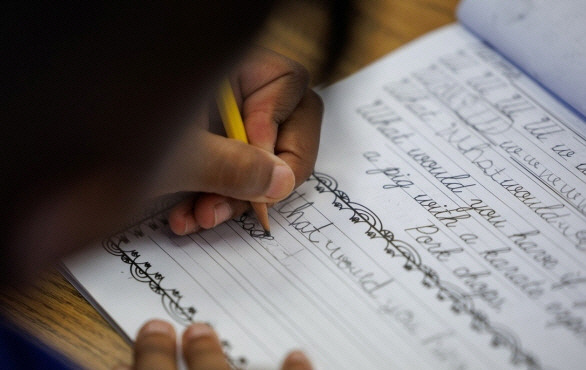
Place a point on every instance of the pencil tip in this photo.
(267, 233)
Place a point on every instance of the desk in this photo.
(53, 311)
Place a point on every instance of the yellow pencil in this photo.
(235, 130)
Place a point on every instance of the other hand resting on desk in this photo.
(155, 348)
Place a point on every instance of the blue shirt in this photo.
(21, 351)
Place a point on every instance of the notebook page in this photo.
(545, 38)
(444, 228)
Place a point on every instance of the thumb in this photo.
(234, 169)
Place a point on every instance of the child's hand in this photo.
(155, 348)
(281, 116)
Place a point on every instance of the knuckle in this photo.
(299, 72)
(294, 69)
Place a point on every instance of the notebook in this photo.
(444, 226)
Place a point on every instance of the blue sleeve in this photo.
(19, 351)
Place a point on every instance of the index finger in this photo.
(271, 87)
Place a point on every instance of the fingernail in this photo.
(222, 212)
(198, 330)
(190, 227)
(157, 327)
(299, 359)
(282, 182)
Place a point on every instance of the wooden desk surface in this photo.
(56, 313)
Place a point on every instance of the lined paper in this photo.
(444, 227)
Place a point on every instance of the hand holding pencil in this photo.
(281, 116)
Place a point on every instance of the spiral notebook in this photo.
(443, 228)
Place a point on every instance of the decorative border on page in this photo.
(395, 248)
(142, 272)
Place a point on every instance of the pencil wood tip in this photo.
(263, 217)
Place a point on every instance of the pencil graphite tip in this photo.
(267, 233)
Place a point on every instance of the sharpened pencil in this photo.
(234, 127)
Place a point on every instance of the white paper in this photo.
(444, 228)
(545, 38)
